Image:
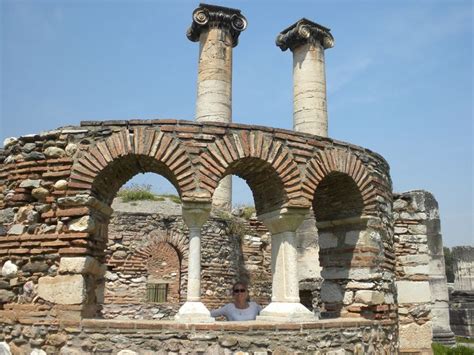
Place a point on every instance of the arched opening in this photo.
(255, 243)
(262, 179)
(253, 180)
(337, 197)
(338, 207)
(163, 274)
(146, 252)
(121, 170)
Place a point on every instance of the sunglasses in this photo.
(237, 290)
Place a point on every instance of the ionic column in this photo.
(285, 305)
(217, 29)
(308, 40)
(194, 215)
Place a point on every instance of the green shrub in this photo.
(171, 197)
(248, 212)
(137, 193)
(439, 349)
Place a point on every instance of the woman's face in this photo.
(239, 292)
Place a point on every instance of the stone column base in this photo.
(446, 338)
(194, 312)
(286, 312)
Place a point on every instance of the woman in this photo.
(241, 308)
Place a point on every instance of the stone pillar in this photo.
(463, 268)
(438, 283)
(285, 305)
(194, 215)
(217, 29)
(77, 290)
(462, 298)
(420, 272)
(308, 40)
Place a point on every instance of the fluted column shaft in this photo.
(308, 40)
(217, 29)
(309, 90)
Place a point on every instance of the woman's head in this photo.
(240, 290)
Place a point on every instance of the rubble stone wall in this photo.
(420, 272)
(110, 336)
(137, 238)
(56, 189)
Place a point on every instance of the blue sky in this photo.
(399, 79)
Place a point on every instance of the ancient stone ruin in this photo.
(462, 297)
(339, 262)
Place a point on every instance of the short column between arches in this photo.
(285, 305)
(193, 310)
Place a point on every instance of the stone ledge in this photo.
(223, 326)
(177, 123)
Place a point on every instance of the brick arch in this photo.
(158, 151)
(329, 162)
(139, 257)
(255, 157)
(178, 241)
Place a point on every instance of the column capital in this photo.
(302, 32)
(195, 214)
(208, 16)
(284, 220)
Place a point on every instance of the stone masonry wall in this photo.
(56, 189)
(420, 273)
(110, 337)
(232, 249)
(462, 298)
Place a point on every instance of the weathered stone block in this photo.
(327, 240)
(331, 292)
(369, 297)
(30, 184)
(9, 141)
(40, 193)
(416, 270)
(360, 285)
(4, 348)
(71, 148)
(83, 224)
(17, 229)
(413, 291)
(414, 336)
(9, 270)
(60, 185)
(36, 266)
(331, 273)
(400, 230)
(63, 289)
(5, 297)
(6, 216)
(348, 297)
(414, 259)
(80, 265)
(399, 204)
(417, 229)
(54, 152)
